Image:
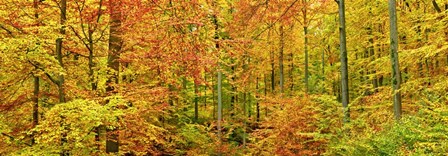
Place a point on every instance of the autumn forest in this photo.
(223, 77)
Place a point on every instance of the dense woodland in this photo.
(223, 77)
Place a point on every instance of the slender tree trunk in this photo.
(396, 77)
(92, 79)
(305, 32)
(257, 97)
(272, 66)
(115, 45)
(63, 18)
(344, 66)
(371, 55)
(282, 45)
(205, 91)
(36, 82)
(196, 102)
(244, 119)
(291, 70)
(234, 97)
(258, 101)
(213, 98)
(265, 94)
(215, 20)
(60, 82)
(35, 106)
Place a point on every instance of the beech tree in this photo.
(396, 74)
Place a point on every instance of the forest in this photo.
(223, 77)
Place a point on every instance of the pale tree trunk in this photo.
(215, 20)
(344, 66)
(396, 77)
(213, 97)
(115, 45)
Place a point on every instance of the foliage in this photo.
(144, 74)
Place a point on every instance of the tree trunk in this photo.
(213, 98)
(35, 106)
(344, 66)
(63, 18)
(215, 20)
(36, 83)
(115, 45)
(205, 91)
(234, 97)
(396, 77)
(371, 55)
(305, 32)
(272, 67)
(196, 101)
(60, 82)
(282, 45)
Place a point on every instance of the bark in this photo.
(396, 77)
(35, 106)
(215, 20)
(213, 98)
(60, 82)
(63, 18)
(344, 66)
(272, 67)
(291, 70)
(115, 45)
(282, 45)
(371, 54)
(234, 97)
(257, 98)
(205, 91)
(196, 101)
(305, 32)
(36, 84)
(436, 6)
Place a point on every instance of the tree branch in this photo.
(436, 6)
(12, 138)
(278, 19)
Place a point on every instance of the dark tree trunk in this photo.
(115, 45)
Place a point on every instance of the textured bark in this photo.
(344, 66)
(396, 77)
